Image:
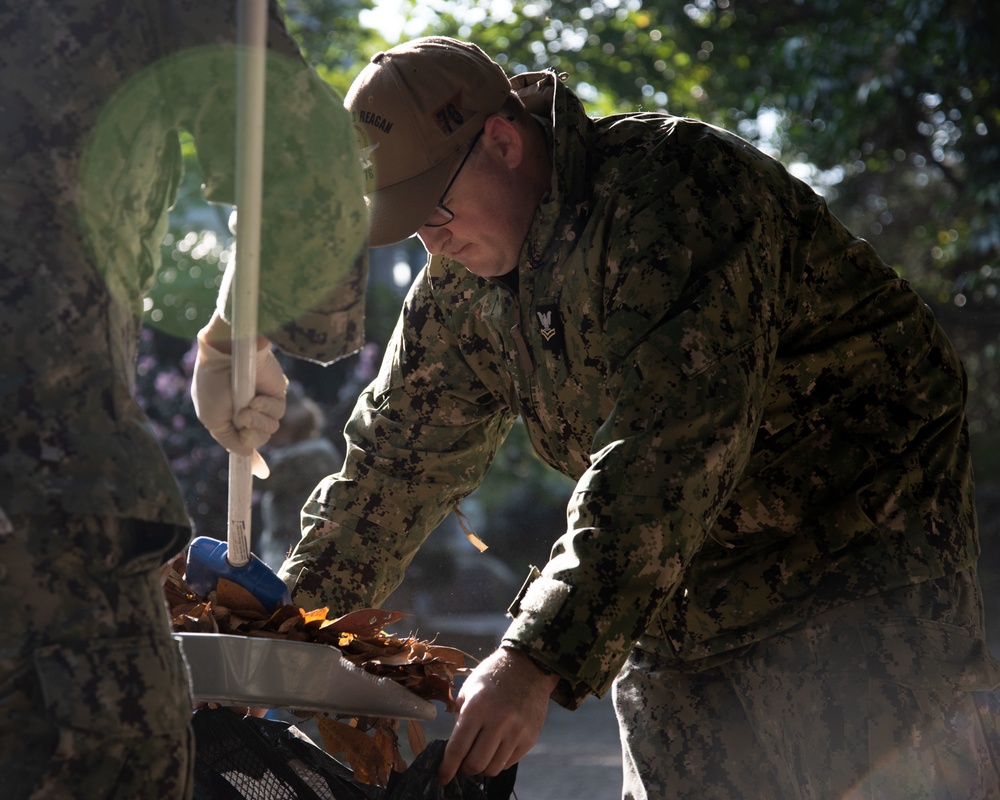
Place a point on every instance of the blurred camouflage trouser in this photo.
(887, 698)
(94, 701)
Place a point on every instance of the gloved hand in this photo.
(212, 393)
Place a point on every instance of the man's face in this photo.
(493, 204)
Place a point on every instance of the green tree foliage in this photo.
(333, 39)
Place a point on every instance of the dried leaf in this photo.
(452, 655)
(359, 750)
(290, 624)
(434, 687)
(400, 658)
(232, 595)
(366, 622)
(283, 613)
(316, 616)
(466, 526)
(387, 743)
(415, 737)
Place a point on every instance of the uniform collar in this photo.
(563, 213)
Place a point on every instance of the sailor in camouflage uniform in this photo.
(772, 539)
(94, 699)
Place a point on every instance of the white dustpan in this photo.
(301, 676)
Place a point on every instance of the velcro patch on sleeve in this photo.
(545, 596)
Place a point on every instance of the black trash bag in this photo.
(246, 758)
(419, 782)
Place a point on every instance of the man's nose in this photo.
(433, 239)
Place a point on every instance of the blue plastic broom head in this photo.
(208, 560)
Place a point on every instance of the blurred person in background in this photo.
(299, 455)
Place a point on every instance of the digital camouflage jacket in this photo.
(762, 419)
(92, 97)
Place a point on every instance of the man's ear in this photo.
(504, 140)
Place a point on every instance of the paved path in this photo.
(577, 757)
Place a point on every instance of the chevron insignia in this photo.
(545, 323)
(547, 314)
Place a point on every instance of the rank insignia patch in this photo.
(547, 317)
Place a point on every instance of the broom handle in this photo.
(251, 41)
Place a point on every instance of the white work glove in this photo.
(212, 393)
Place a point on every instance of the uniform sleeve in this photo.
(420, 438)
(693, 315)
(313, 266)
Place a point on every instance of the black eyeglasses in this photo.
(442, 215)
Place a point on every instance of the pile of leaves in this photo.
(369, 745)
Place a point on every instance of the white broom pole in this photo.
(251, 40)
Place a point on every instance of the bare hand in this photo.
(502, 707)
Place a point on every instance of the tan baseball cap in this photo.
(414, 107)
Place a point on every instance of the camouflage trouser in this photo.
(887, 698)
(94, 699)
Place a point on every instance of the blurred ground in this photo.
(577, 757)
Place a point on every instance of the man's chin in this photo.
(488, 270)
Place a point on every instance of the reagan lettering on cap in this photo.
(376, 121)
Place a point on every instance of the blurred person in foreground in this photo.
(298, 455)
(94, 699)
(770, 553)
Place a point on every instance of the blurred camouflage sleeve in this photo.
(420, 438)
(313, 237)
